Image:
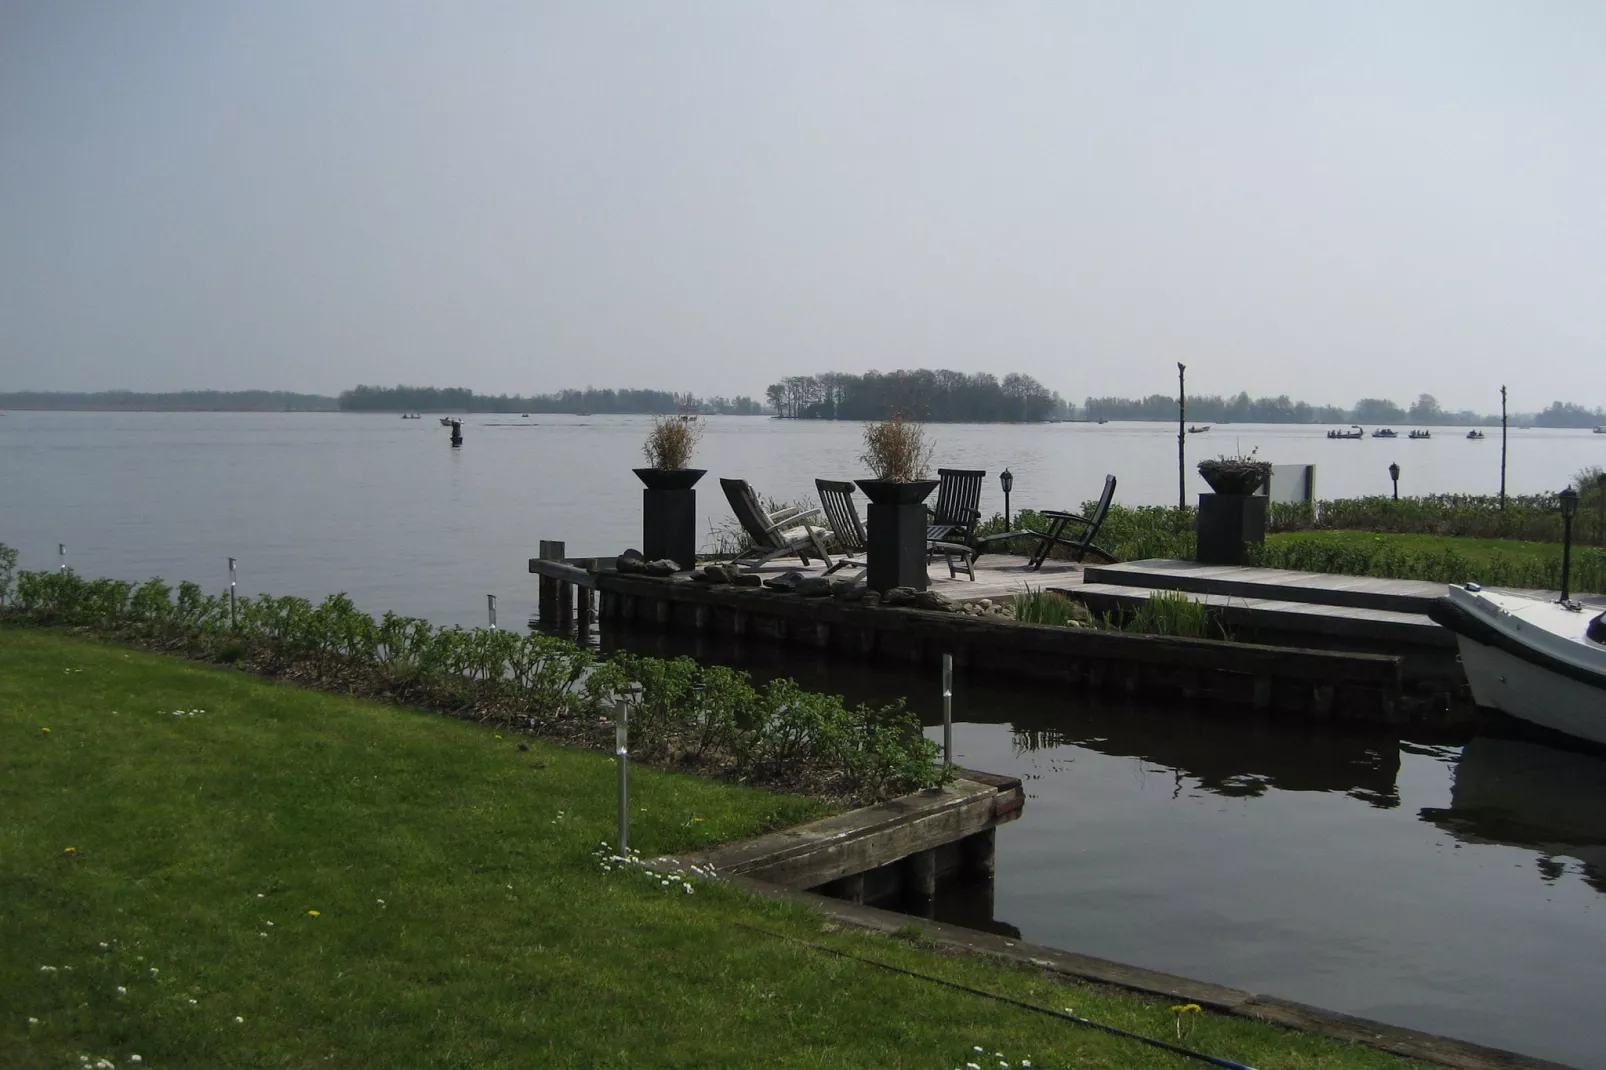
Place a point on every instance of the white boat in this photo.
(1541, 661)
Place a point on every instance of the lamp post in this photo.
(1569, 509)
(1006, 479)
(1394, 474)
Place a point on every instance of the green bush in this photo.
(704, 717)
(1531, 517)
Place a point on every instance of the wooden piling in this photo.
(547, 589)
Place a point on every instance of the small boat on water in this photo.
(1420, 434)
(1474, 434)
(1600, 430)
(446, 421)
(1198, 430)
(1385, 432)
(1356, 432)
(1543, 662)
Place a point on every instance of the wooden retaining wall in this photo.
(1291, 681)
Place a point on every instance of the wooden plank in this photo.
(1363, 592)
(847, 844)
(564, 573)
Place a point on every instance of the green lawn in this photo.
(208, 869)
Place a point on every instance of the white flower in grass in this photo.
(262, 934)
(121, 991)
(269, 924)
(972, 1066)
(33, 1021)
(687, 887)
(154, 971)
(104, 946)
(192, 1003)
(238, 1020)
(979, 1048)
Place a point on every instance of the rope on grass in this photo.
(1175, 1049)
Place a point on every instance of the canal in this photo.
(1452, 885)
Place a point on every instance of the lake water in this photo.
(1456, 888)
(384, 509)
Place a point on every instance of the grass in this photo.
(434, 900)
(1440, 558)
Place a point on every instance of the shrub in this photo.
(8, 565)
(703, 717)
(671, 441)
(896, 450)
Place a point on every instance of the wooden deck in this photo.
(1272, 584)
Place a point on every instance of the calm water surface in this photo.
(1452, 888)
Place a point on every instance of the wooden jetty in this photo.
(1275, 679)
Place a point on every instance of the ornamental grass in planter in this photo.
(897, 452)
(668, 451)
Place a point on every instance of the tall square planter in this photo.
(669, 514)
(1228, 524)
(895, 544)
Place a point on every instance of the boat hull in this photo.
(1536, 660)
(1505, 682)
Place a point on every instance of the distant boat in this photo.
(1420, 434)
(1600, 430)
(524, 415)
(1358, 432)
(1384, 432)
(1474, 434)
(446, 421)
(1104, 421)
(1198, 430)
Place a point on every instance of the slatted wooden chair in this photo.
(786, 531)
(952, 531)
(836, 499)
(1080, 545)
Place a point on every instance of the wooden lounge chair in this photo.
(836, 499)
(1080, 546)
(952, 531)
(778, 534)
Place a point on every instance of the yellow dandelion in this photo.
(1186, 1008)
(312, 913)
(69, 850)
(45, 730)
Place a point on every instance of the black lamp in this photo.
(1569, 509)
(1394, 474)
(1006, 479)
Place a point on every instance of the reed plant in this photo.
(896, 450)
(710, 720)
(671, 441)
(1034, 605)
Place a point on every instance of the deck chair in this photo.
(1080, 545)
(836, 499)
(778, 534)
(952, 531)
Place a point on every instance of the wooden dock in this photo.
(1280, 680)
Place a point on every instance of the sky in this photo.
(1327, 200)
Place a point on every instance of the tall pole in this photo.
(1502, 449)
(948, 710)
(231, 592)
(1182, 435)
(621, 737)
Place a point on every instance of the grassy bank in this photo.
(220, 870)
(1439, 558)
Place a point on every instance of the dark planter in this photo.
(1235, 480)
(1228, 523)
(669, 514)
(887, 492)
(670, 478)
(895, 546)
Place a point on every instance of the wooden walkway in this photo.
(1272, 584)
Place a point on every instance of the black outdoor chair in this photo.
(779, 534)
(842, 516)
(1080, 546)
(952, 531)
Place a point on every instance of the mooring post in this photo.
(948, 710)
(1502, 449)
(490, 609)
(621, 737)
(920, 875)
(980, 852)
(1182, 435)
(546, 587)
(231, 592)
(565, 602)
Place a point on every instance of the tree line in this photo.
(1243, 409)
(940, 396)
(589, 400)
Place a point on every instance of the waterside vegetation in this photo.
(710, 720)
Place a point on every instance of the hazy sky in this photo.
(1328, 200)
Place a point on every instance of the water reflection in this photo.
(1520, 793)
